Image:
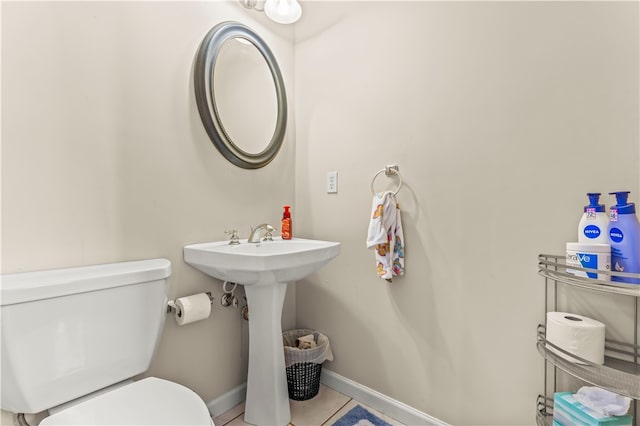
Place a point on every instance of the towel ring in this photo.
(389, 171)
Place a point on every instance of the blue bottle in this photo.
(624, 238)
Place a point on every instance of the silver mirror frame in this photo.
(204, 69)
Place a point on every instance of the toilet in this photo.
(73, 339)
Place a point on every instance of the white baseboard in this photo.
(228, 400)
(374, 399)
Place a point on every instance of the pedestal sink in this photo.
(264, 269)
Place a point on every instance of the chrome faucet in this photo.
(258, 231)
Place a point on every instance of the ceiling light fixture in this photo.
(280, 11)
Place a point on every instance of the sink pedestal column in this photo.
(267, 402)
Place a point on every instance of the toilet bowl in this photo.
(73, 338)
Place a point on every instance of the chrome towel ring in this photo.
(391, 170)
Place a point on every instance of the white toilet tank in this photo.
(68, 332)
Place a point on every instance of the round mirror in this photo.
(240, 95)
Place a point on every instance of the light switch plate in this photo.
(332, 182)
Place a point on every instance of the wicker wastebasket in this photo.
(304, 366)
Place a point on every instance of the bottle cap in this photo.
(594, 197)
(622, 205)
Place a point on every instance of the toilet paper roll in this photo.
(192, 308)
(577, 334)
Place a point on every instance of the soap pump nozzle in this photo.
(594, 198)
(622, 205)
(621, 197)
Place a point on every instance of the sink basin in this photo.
(268, 262)
(264, 269)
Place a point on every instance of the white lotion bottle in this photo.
(594, 223)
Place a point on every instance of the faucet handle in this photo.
(234, 236)
(268, 235)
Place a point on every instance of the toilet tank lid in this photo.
(30, 286)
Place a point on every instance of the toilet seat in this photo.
(150, 401)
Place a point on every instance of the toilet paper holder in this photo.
(171, 305)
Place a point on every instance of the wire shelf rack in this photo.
(621, 370)
(617, 374)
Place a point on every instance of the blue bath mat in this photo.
(358, 416)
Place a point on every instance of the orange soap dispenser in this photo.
(287, 233)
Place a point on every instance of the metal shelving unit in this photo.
(544, 412)
(621, 371)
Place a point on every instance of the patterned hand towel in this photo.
(386, 236)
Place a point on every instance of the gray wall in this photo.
(501, 117)
(104, 157)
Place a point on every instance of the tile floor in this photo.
(326, 408)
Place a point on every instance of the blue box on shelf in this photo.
(567, 411)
